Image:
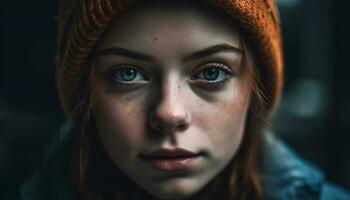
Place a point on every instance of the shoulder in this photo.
(331, 192)
(53, 179)
(287, 176)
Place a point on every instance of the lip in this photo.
(171, 159)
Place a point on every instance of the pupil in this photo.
(211, 74)
(128, 74)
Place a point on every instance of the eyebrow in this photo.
(192, 56)
(126, 53)
(212, 50)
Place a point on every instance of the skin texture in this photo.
(170, 103)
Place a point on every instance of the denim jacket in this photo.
(286, 176)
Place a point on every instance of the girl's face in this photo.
(168, 77)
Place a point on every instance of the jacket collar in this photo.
(286, 175)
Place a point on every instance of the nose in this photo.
(170, 114)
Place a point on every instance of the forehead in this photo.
(170, 24)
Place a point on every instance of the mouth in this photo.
(171, 159)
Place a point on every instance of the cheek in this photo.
(119, 122)
(224, 120)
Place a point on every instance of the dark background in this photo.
(314, 116)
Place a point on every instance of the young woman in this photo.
(171, 100)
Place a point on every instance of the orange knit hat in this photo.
(82, 22)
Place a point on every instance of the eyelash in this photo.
(126, 66)
(224, 68)
(219, 66)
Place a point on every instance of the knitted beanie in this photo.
(82, 22)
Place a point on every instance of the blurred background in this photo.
(314, 116)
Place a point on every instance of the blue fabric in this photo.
(333, 192)
(285, 176)
(53, 181)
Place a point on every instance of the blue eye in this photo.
(127, 75)
(213, 73)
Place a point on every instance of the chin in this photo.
(172, 196)
(176, 191)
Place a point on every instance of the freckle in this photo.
(155, 38)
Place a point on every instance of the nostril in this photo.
(172, 123)
(181, 126)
